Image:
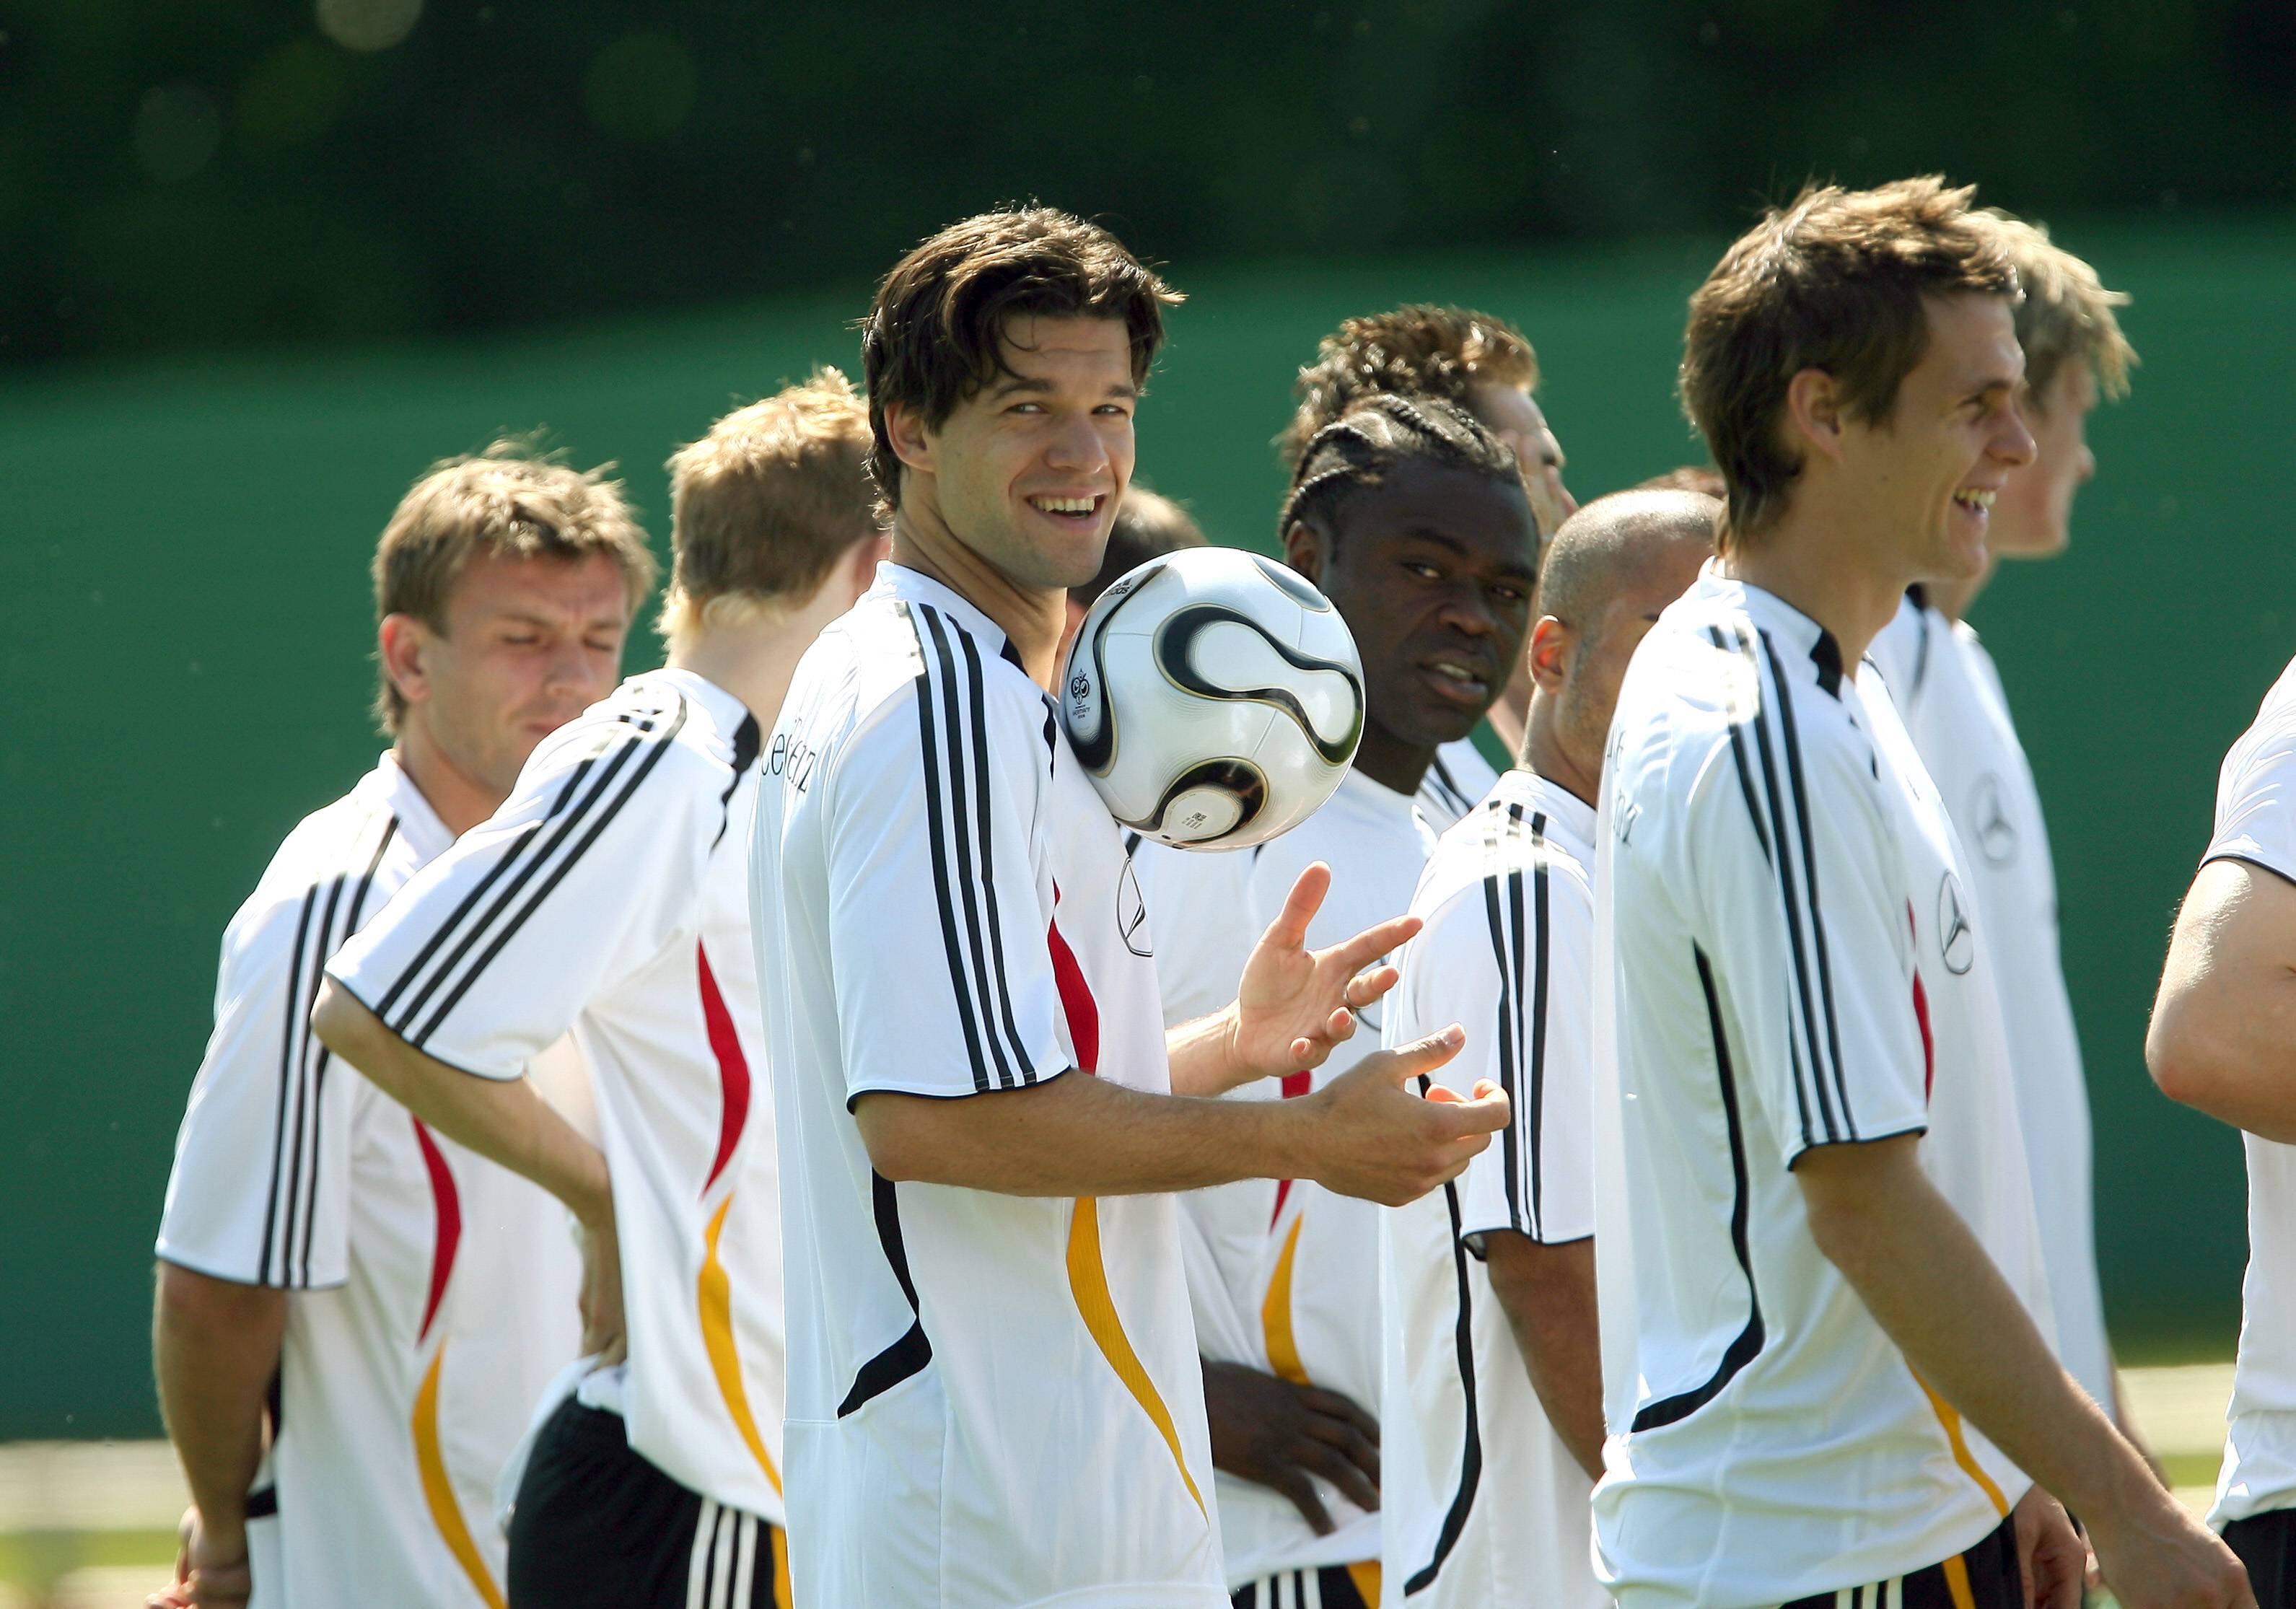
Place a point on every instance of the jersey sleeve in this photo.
(2256, 802)
(941, 896)
(1807, 936)
(258, 1192)
(1199, 911)
(583, 875)
(1507, 959)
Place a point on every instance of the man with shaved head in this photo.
(1494, 1346)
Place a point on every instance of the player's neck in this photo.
(457, 799)
(1805, 559)
(1390, 761)
(1032, 619)
(753, 660)
(1952, 599)
(1544, 752)
(1510, 714)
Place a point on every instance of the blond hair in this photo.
(509, 502)
(763, 506)
(1419, 349)
(1834, 282)
(2067, 314)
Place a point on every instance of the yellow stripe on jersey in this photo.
(783, 1599)
(1951, 1421)
(439, 1489)
(1367, 1579)
(715, 1298)
(1088, 1282)
(1956, 1583)
(1276, 1314)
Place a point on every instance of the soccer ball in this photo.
(1215, 698)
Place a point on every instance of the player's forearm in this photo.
(1203, 1058)
(1929, 1284)
(1074, 1135)
(504, 1120)
(214, 1350)
(1547, 1293)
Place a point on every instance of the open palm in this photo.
(1293, 1004)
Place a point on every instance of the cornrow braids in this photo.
(1376, 436)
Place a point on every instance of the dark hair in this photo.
(1834, 282)
(1146, 526)
(1418, 350)
(931, 337)
(1381, 432)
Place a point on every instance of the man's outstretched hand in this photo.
(1294, 1005)
(1371, 1136)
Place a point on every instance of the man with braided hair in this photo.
(1482, 363)
(1411, 518)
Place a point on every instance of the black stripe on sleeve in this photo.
(747, 740)
(1741, 1351)
(1538, 1058)
(1471, 1452)
(351, 921)
(1506, 1034)
(1810, 867)
(287, 1083)
(908, 1355)
(656, 748)
(307, 1099)
(987, 864)
(937, 838)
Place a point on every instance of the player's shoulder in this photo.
(1525, 827)
(343, 841)
(665, 731)
(2271, 738)
(914, 663)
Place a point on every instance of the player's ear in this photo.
(1550, 652)
(913, 443)
(1303, 550)
(1814, 412)
(400, 643)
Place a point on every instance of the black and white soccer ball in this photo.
(1215, 698)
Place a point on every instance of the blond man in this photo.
(1945, 684)
(355, 1313)
(1483, 363)
(608, 896)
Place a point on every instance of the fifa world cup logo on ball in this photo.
(1215, 698)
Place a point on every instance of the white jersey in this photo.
(1483, 1505)
(1457, 780)
(608, 896)
(430, 1293)
(1945, 686)
(1283, 1273)
(994, 1399)
(2256, 823)
(1777, 905)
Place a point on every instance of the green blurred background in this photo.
(255, 281)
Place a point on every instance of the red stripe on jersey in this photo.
(732, 1067)
(1922, 1012)
(1082, 1010)
(1293, 1085)
(447, 1202)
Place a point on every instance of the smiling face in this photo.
(528, 645)
(2033, 520)
(1432, 570)
(1509, 412)
(1027, 472)
(1922, 483)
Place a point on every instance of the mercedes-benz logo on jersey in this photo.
(1996, 834)
(1955, 937)
(1131, 913)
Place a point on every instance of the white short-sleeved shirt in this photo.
(2256, 822)
(431, 1292)
(1481, 1503)
(994, 1399)
(1457, 780)
(1764, 939)
(1283, 1273)
(1945, 686)
(608, 896)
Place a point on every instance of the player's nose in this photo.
(1076, 445)
(2012, 443)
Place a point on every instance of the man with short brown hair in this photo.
(994, 1393)
(397, 1301)
(608, 898)
(1854, 1394)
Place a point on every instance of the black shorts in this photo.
(597, 1527)
(1333, 1586)
(2267, 1544)
(1986, 1577)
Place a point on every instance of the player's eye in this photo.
(1026, 407)
(522, 639)
(1423, 570)
(1114, 409)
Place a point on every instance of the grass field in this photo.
(92, 1525)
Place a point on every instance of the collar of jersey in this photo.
(915, 586)
(726, 712)
(1535, 792)
(1806, 647)
(418, 823)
